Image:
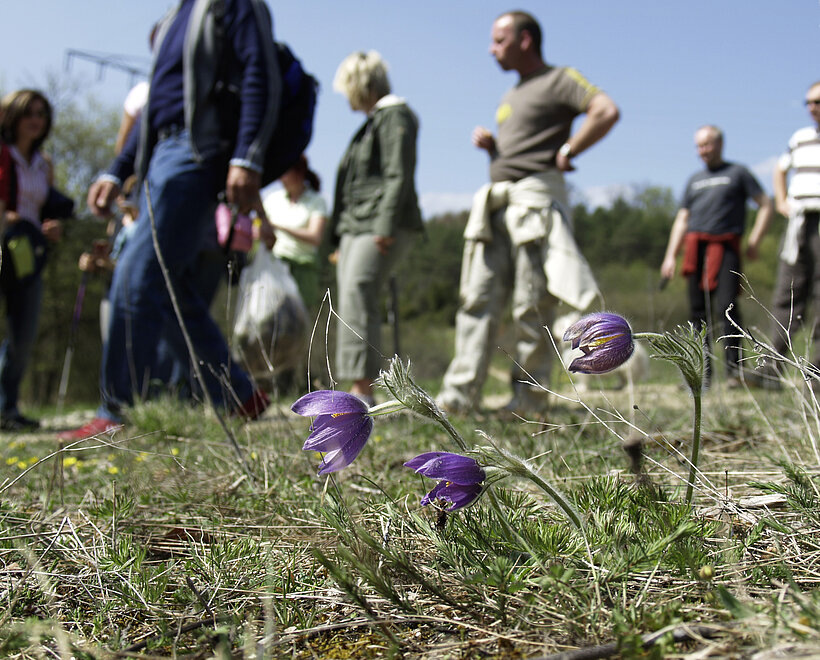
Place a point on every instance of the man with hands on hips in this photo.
(518, 240)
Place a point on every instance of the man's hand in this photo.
(52, 230)
(483, 139)
(563, 163)
(752, 252)
(783, 208)
(242, 189)
(383, 243)
(668, 268)
(100, 196)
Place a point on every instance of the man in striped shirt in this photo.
(798, 275)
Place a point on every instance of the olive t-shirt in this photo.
(716, 199)
(535, 119)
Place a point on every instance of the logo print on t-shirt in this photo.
(503, 113)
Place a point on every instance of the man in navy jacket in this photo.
(181, 151)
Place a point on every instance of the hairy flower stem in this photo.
(386, 408)
(451, 431)
(693, 461)
(683, 347)
(558, 498)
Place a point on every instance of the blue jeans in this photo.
(183, 195)
(210, 270)
(22, 315)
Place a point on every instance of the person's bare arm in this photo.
(601, 115)
(673, 248)
(762, 221)
(780, 187)
(312, 234)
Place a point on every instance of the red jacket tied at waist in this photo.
(713, 257)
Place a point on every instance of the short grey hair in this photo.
(362, 78)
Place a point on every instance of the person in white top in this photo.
(298, 214)
(131, 111)
(798, 273)
(135, 101)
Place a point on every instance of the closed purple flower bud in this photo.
(460, 478)
(604, 338)
(340, 429)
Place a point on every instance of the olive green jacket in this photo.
(375, 187)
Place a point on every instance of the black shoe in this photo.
(16, 422)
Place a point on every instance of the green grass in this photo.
(156, 541)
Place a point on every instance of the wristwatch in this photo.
(566, 150)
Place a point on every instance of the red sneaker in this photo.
(96, 426)
(253, 407)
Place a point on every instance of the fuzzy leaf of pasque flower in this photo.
(340, 429)
(604, 338)
(460, 478)
(682, 346)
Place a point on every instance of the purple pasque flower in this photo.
(460, 478)
(340, 429)
(605, 339)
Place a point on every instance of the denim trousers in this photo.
(176, 375)
(22, 316)
(183, 190)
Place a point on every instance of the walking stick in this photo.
(393, 314)
(72, 339)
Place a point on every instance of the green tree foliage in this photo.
(629, 230)
(624, 243)
(428, 278)
(82, 140)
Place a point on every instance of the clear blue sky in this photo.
(671, 66)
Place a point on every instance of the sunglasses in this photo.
(812, 101)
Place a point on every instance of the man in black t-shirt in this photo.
(709, 227)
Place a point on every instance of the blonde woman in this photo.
(375, 213)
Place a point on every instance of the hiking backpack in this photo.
(297, 105)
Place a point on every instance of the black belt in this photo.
(169, 131)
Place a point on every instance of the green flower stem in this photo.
(693, 461)
(558, 498)
(512, 465)
(502, 517)
(386, 408)
(646, 335)
(451, 431)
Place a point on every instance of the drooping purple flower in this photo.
(340, 429)
(605, 339)
(459, 477)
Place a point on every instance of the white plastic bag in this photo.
(271, 326)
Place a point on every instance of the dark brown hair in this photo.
(14, 107)
(301, 166)
(524, 21)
